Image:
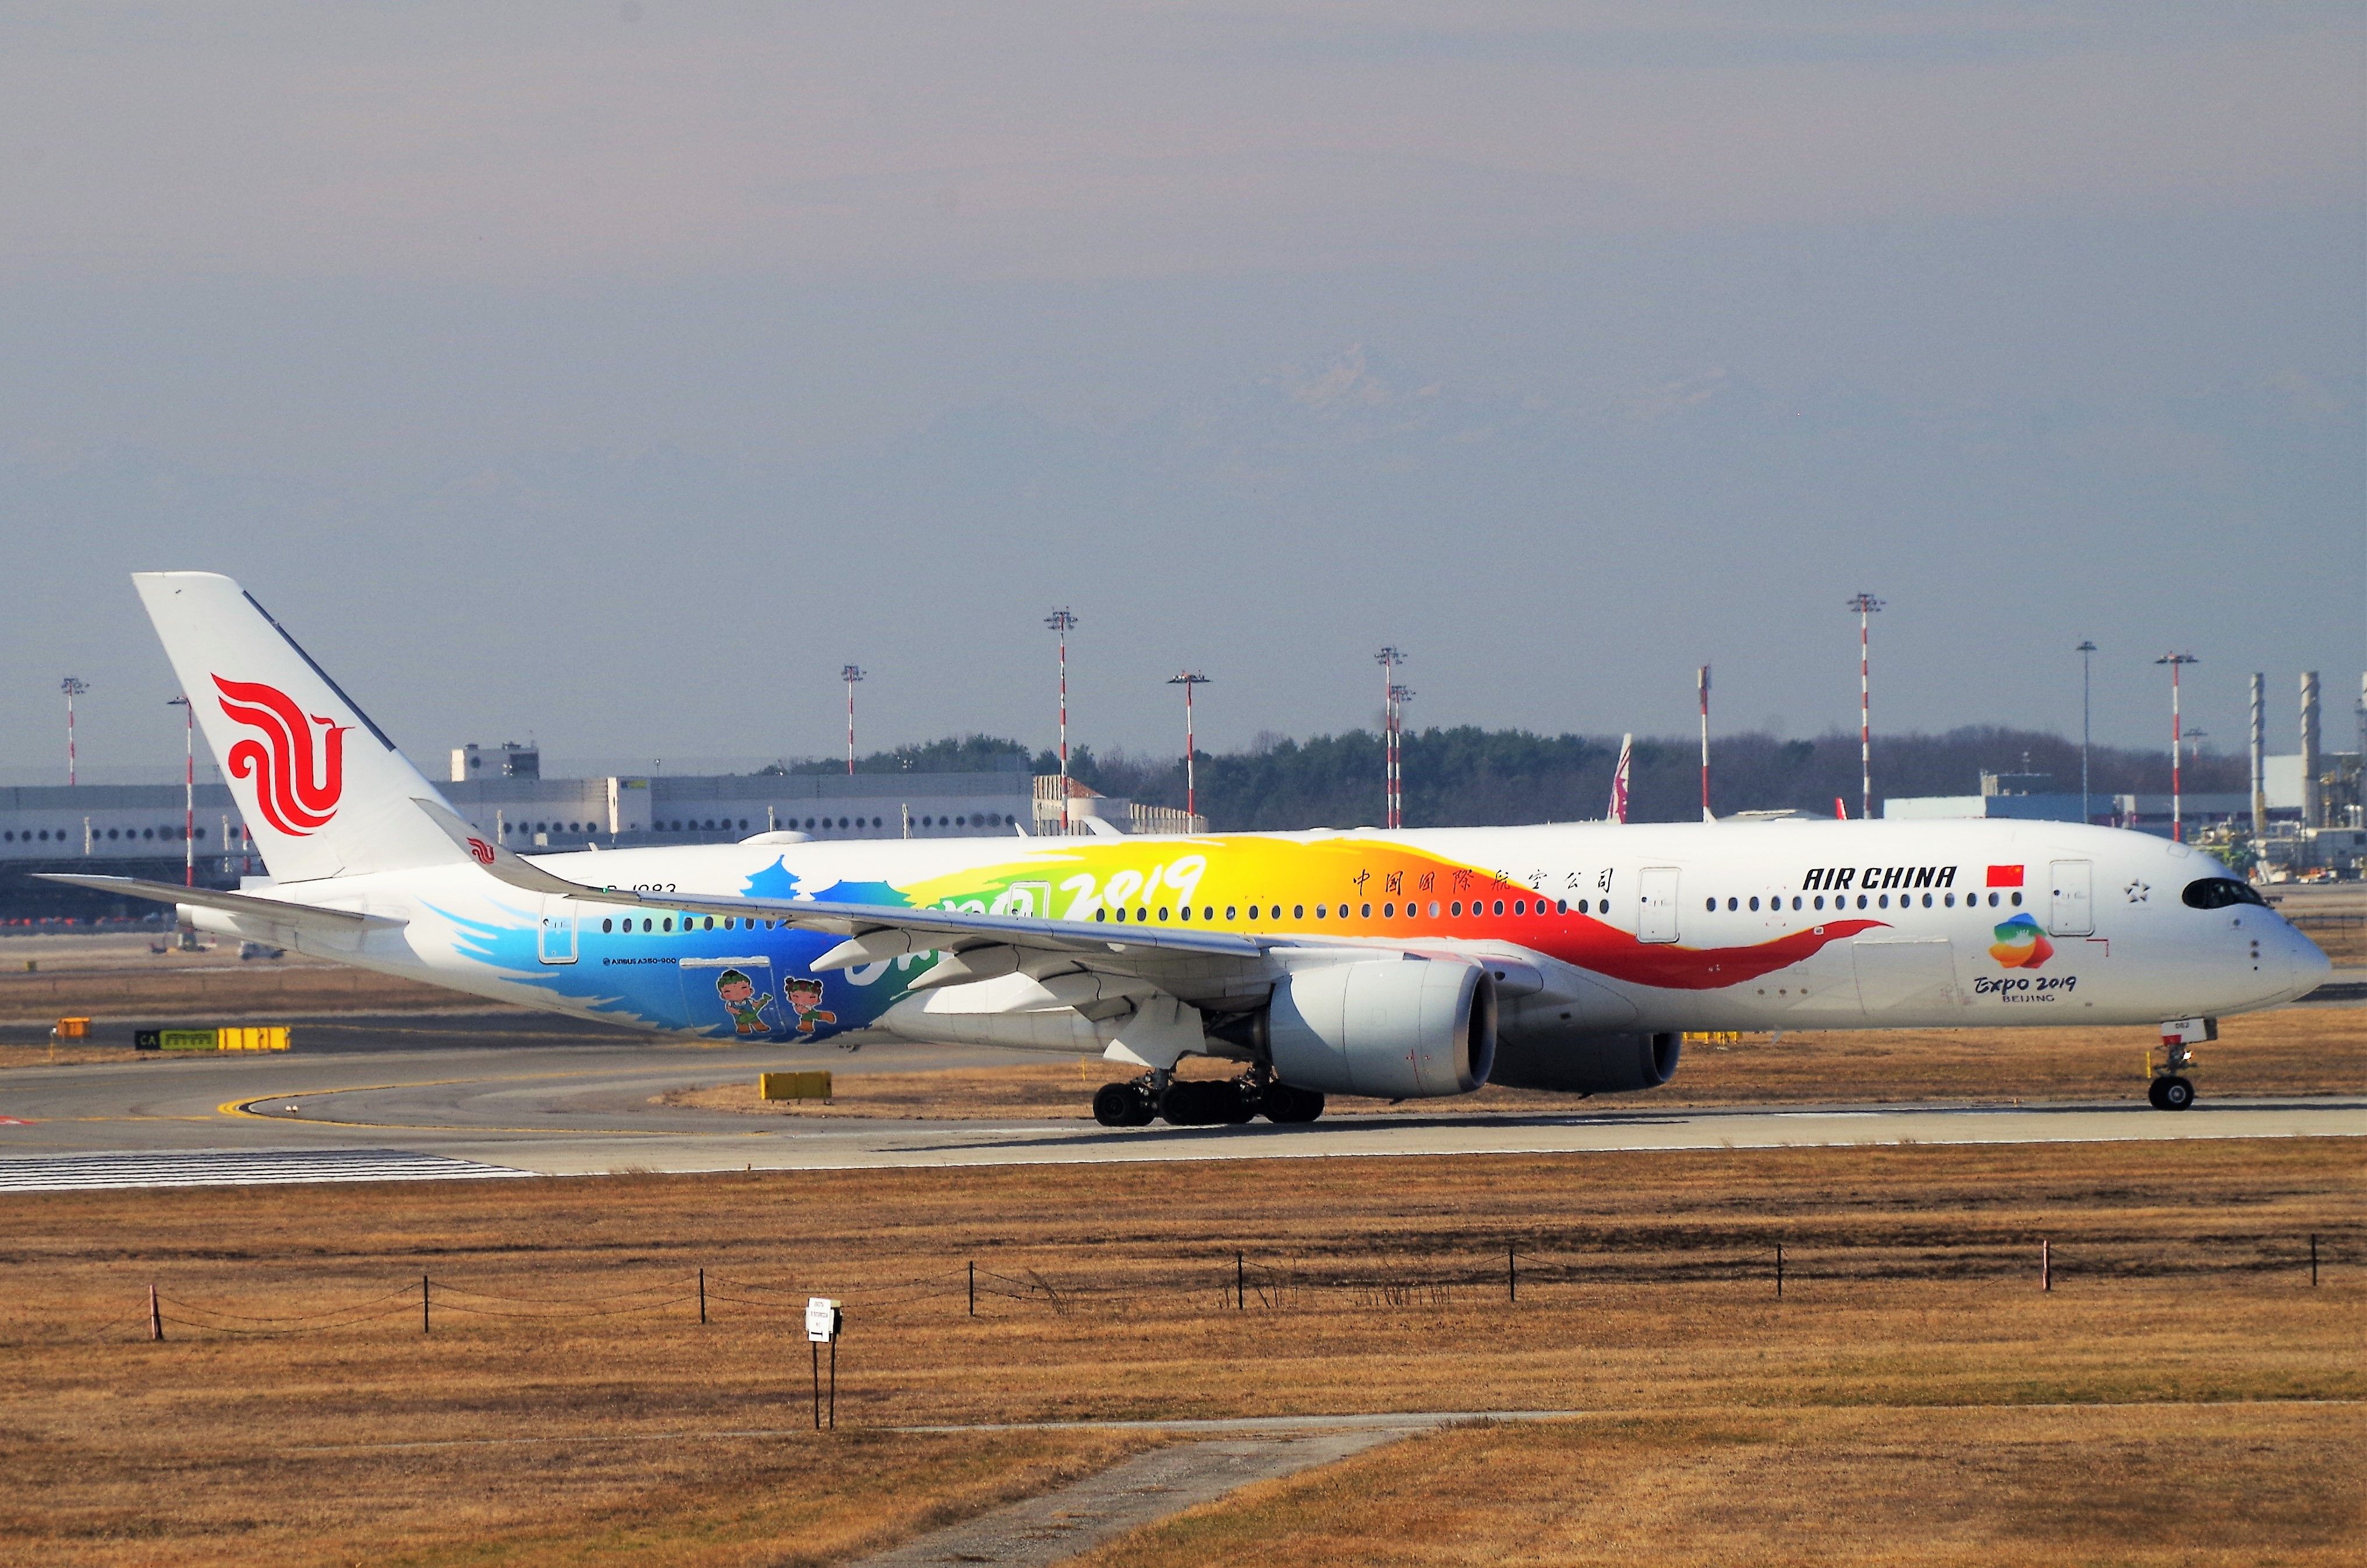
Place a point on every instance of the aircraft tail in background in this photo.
(1619, 779)
(323, 790)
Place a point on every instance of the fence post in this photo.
(816, 1348)
(1779, 1270)
(702, 1295)
(973, 1288)
(422, 1303)
(156, 1314)
(1512, 1277)
(2046, 1267)
(2312, 1267)
(1240, 1285)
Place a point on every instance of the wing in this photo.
(1207, 968)
(280, 912)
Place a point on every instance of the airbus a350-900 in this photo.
(1403, 963)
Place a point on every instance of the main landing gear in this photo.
(1158, 1096)
(2169, 1091)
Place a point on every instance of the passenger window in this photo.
(669, 922)
(1186, 911)
(1298, 911)
(1884, 900)
(1709, 906)
(1101, 914)
(1456, 907)
(1364, 911)
(603, 926)
(2017, 900)
(1320, 910)
(1754, 905)
(1499, 905)
(1231, 907)
(1433, 908)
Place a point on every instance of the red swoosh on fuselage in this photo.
(1607, 950)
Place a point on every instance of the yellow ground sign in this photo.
(793, 1086)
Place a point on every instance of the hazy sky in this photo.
(615, 373)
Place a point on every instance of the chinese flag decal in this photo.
(2005, 877)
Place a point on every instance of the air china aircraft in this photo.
(1400, 965)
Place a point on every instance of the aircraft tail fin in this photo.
(322, 789)
(1619, 779)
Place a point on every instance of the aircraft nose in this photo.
(2307, 961)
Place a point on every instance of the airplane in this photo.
(1408, 963)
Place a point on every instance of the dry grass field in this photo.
(2291, 1051)
(1912, 1393)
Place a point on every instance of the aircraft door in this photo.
(1656, 916)
(732, 997)
(554, 940)
(2070, 909)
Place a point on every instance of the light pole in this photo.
(1399, 696)
(2086, 650)
(850, 674)
(1866, 605)
(1701, 680)
(188, 788)
(1187, 680)
(2176, 661)
(72, 686)
(1392, 797)
(1063, 623)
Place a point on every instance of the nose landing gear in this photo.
(2170, 1089)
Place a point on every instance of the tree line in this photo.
(1467, 776)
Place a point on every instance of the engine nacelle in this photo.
(1394, 1028)
(1586, 1063)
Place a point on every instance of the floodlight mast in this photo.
(72, 686)
(850, 674)
(1187, 680)
(1866, 605)
(2176, 661)
(1399, 695)
(1392, 772)
(188, 788)
(1063, 623)
(1701, 680)
(2087, 651)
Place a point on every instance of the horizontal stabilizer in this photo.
(280, 910)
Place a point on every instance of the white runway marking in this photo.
(240, 1167)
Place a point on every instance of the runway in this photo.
(575, 1107)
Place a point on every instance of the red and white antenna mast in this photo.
(1392, 774)
(1866, 605)
(1701, 680)
(1187, 680)
(2177, 745)
(850, 674)
(72, 686)
(1063, 623)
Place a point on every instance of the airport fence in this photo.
(1240, 1280)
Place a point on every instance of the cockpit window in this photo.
(2218, 892)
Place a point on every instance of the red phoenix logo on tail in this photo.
(297, 781)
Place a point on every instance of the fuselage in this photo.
(1789, 924)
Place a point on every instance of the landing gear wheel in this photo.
(2153, 1094)
(1241, 1102)
(1115, 1105)
(1285, 1106)
(2177, 1094)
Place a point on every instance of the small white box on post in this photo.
(824, 1321)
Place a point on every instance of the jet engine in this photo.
(1586, 1063)
(1394, 1028)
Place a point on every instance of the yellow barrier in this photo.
(236, 1037)
(793, 1086)
(73, 1029)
